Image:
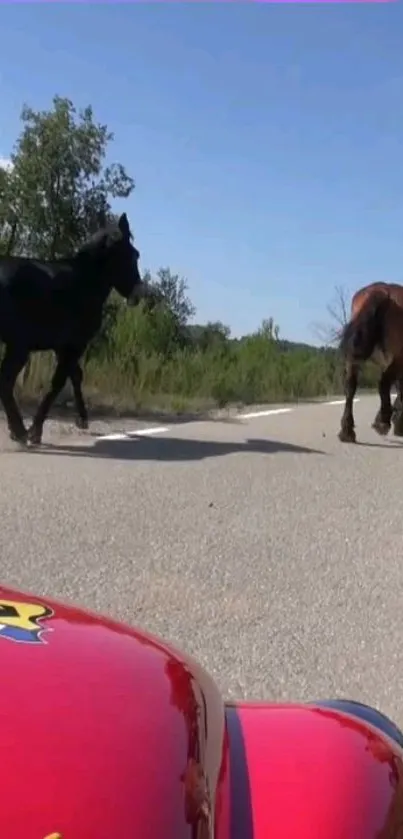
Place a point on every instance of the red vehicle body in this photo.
(110, 733)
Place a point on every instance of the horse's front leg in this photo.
(76, 376)
(347, 433)
(58, 382)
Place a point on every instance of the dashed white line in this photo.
(112, 437)
(155, 429)
(337, 402)
(162, 429)
(141, 432)
(254, 414)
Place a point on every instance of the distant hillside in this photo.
(285, 345)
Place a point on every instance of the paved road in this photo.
(263, 545)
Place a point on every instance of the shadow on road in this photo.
(169, 449)
(390, 443)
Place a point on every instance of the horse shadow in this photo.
(169, 449)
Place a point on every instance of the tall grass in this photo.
(136, 363)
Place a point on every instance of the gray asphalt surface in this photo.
(266, 548)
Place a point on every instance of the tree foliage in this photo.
(175, 292)
(58, 181)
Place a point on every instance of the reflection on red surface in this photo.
(109, 732)
(314, 772)
(378, 746)
(106, 732)
(191, 703)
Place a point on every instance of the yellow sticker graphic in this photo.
(20, 621)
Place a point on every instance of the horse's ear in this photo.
(101, 218)
(124, 226)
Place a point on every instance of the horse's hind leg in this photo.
(382, 421)
(347, 433)
(12, 364)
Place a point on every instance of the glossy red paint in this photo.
(106, 732)
(314, 773)
(110, 733)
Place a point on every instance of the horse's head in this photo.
(112, 248)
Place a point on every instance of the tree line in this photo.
(50, 194)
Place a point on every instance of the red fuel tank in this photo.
(106, 732)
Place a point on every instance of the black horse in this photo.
(58, 306)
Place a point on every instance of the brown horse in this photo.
(375, 331)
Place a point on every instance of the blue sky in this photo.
(266, 141)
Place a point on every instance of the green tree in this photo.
(174, 290)
(269, 329)
(58, 181)
(210, 335)
(8, 219)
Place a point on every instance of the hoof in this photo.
(21, 438)
(34, 436)
(82, 423)
(381, 428)
(398, 430)
(347, 436)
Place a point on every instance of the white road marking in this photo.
(255, 414)
(141, 432)
(112, 437)
(162, 429)
(337, 402)
(155, 429)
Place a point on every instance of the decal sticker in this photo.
(20, 621)
(53, 836)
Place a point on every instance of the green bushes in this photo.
(145, 360)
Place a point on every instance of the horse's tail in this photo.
(365, 331)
